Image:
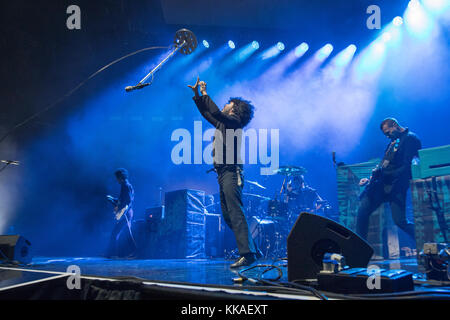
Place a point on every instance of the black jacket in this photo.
(398, 172)
(222, 122)
(126, 196)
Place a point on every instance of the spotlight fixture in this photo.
(205, 43)
(301, 49)
(280, 46)
(255, 45)
(231, 44)
(413, 4)
(328, 48)
(398, 21)
(324, 52)
(352, 48)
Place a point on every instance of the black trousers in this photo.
(231, 183)
(122, 228)
(397, 201)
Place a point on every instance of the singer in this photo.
(235, 115)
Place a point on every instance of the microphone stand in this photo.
(141, 83)
(184, 41)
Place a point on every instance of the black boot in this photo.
(244, 261)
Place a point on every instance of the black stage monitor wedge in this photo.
(15, 249)
(312, 236)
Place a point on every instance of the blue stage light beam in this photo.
(338, 65)
(278, 69)
(393, 33)
(310, 67)
(371, 60)
(418, 21)
(239, 57)
(206, 62)
(288, 59)
(324, 52)
(245, 52)
(345, 56)
(436, 7)
(273, 51)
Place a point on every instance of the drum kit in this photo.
(271, 219)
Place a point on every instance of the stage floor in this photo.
(196, 272)
(199, 271)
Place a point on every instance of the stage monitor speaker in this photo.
(15, 249)
(312, 236)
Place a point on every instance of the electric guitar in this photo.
(117, 213)
(376, 179)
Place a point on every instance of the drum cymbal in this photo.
(255, 196)
(290, 170)
(254, 183)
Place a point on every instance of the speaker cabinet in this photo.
(181, 233)
(15, 248)
(312, 236)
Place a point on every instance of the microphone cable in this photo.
(69, 93)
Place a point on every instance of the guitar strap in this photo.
(129, 229)
(391, 150)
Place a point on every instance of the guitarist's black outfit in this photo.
(391, 184)
(229, 174)
(123, 226)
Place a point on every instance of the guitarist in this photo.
(123, 213)
(390, 179)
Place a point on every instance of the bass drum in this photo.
(277, 210)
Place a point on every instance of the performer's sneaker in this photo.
(244, 261)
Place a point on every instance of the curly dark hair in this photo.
(244, 109)
(121, 173)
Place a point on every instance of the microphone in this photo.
(136, 87)
(13, 162)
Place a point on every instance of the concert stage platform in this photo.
(49, 278)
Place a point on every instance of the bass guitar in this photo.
(375, 182)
